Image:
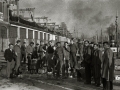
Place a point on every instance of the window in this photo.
(3, 32)
(41, 35)
(30, 34)
(22, 33)
(13, 32)
(44, 36)
(36, 34)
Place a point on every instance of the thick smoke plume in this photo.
(82, 15)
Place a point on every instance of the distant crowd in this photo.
(89, 61)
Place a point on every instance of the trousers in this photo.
(10, 66)
(107, 85)
(88, 72)
(73, 60)
(18, 62)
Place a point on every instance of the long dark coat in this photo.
(108, 65)
(87, 54)
(96, 63)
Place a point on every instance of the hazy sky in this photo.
(87, 16)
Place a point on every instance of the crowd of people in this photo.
(67, 60)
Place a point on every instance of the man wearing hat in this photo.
(17, 49)
(107, 67)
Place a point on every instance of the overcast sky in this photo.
(87, 16)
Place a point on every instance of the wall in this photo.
(15, 32)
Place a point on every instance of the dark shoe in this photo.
(87, 83)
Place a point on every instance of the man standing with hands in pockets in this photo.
(17, 49)
(10, 57)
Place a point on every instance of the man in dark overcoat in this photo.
(96, 64)
(107, 67)
(87, 62)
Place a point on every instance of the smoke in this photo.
(78, 10)
(85, 15)
(100, 19)
(90, 16)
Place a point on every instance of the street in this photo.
(59, 45)
(40, 82)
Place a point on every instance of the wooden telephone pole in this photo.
(116, 32)
(101, 36)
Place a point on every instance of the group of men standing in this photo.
(99, 64)
(13, 57)
(97, 61)
(17, 54)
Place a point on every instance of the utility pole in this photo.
(101, 36)
(74, 33)
(116, 32)
(96, 37)
(63, 31)
(77, 33)
(8, 8)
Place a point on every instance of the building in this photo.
(13, 27)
